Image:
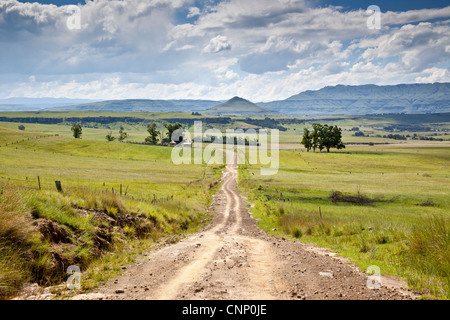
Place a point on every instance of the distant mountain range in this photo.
(336, 100)
(35, 104)
(141, 105)
(367, 99)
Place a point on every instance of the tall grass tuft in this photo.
(14, 241)
(427, 256)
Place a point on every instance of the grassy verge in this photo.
(117, 200)
(386, 208)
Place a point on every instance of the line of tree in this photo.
(323, 137)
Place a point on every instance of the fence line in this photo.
(27, 139)
(38, 184)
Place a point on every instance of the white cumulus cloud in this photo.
(217, 44)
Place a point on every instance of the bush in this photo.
(297, 232)
(360, 199)
(15, 240)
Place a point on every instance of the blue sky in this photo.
(261, 50)
(387, 5)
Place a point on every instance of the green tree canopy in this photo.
(77, 131)
(122, 135)
(171, 128)
(153, 133)
(307, 140)
(323, 137)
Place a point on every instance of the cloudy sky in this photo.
(261, 50)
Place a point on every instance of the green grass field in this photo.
(385, 204)
(400, 224)
(136, 191)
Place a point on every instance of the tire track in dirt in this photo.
(233, 259)
(229, 263)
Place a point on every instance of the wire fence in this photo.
(7, 143)
(37, 183)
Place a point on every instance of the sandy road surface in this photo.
(233, 259)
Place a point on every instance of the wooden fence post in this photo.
(39, 183)
(58, 186)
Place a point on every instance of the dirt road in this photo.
(233, 259)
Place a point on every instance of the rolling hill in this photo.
(237, 106)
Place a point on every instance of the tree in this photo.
(122, 135)
(21, 127)
(323, 137)
(307, 140)
(77, 131)
(337, 138)
(153, 131)
(316, 136)
(171, 128)
(327, 139)
(110, 137)
(332, 137)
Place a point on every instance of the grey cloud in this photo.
(141, 39)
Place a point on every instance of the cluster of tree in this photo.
(323, 137)
(266, 123)
(427, 138)
(358, 133)
(395, 136)
(406, 127)
(206, 121)
(40, 120)
(155, 135)
(122, 136)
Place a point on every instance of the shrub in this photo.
(297, 232)
(360, 199)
